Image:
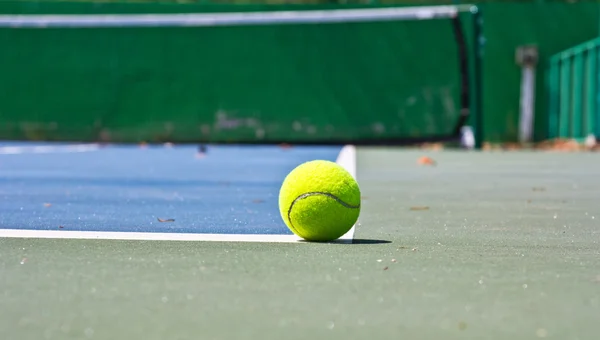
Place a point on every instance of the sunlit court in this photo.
(423, 170)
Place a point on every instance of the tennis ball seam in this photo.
(316, 193)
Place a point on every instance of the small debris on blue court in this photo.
(258, 200)
(201, 152)
(47, 205)
(165, 220)
(60, 227)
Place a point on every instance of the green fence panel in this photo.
(574, 111)
(293, 83)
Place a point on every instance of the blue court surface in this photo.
(67, 188)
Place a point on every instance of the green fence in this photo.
(573, 89)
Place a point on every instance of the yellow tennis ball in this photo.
(319, 201)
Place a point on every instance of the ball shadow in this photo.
(351, 242)
(369, 241)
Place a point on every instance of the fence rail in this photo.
(574, 96)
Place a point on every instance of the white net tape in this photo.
(232, 19)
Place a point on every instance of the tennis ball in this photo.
(319, 201)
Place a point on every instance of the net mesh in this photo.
(353, 75)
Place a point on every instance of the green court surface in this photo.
(507, 248)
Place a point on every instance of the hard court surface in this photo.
(483, 245)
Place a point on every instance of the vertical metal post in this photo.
(527, 58)
(591, 89)
(576, 103)
(597, 96)
(554, 97)
(477, 86)
(564, 116)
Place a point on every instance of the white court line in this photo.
(346, 158)
(18, 150)
(106, 235)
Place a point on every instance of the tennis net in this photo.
(364, 75)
